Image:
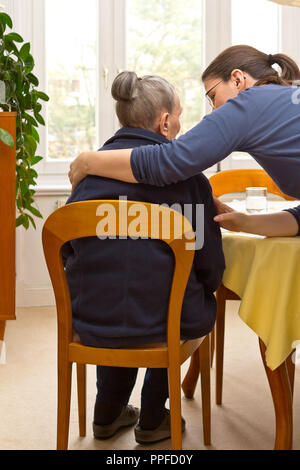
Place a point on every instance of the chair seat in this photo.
(156, 356)
(76, 339)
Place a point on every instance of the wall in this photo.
(33, 285)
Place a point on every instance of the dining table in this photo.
(264, 275)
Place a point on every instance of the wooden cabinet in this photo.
(7, 221)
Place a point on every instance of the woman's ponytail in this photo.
(289, 69)
(258, 64)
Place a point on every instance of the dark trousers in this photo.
(115, 384)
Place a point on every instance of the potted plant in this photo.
(20, 103)
(23, 98)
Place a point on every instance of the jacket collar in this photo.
(137, 133)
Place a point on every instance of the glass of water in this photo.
(256, 200)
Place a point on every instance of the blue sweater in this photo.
(263, 121)
(120, 288)
(295, 211)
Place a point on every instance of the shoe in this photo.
(129, 416)
(162, 432)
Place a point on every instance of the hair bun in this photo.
(124, 87)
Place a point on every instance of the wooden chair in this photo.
(225, 182)
(78, 220)
(235, 181)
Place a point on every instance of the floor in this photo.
(245, 421)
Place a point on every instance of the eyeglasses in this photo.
(212, 100)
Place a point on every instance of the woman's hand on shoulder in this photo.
(78, 170)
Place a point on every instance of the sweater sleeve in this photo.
(295, 211)
(213, 139)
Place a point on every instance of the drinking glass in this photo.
(256, 200)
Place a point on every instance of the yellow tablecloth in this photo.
(265, 273)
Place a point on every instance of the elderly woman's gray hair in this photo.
(141, 100)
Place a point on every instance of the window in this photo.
(256, 24)
(71, 76)
(88, 43)
(265, 39)
(166, 38)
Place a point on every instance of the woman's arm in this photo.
(108, 163)
(279, 224)
(219, 134)
(209, 142)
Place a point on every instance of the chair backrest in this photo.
(236, 181)
(85, 219)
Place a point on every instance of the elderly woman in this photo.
(120, 288)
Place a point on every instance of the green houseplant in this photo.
(22, 97)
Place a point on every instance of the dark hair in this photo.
(256, 63)
(140, 100)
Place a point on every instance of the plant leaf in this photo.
(42, 96)
(14, 37)
(33, 173)
(33, 79)
(10, 45)
(26, 221)
(30, 144)
(35, 135)
(35, 212)
(6, 20)
(20, 220)
(24, 51)
(31, 220)
(24, 187)
(39, 118)
(30, 119)
(34, 160)
(6, 138)
(29, 64)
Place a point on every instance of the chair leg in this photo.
(279, 382)
(190, 381)
(290, 363)
(204, 356)
(81, 394)
(212, 345)
(63, 404)
(175, 404)
(220, 330)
